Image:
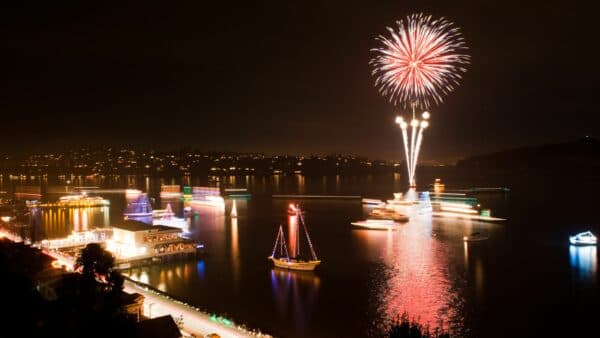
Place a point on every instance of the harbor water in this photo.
(525, 279)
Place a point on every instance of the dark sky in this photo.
(285, 76)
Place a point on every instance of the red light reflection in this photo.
(415, 278)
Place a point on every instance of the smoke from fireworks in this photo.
(420, 62)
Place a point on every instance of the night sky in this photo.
(285, 76)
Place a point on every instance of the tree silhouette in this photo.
(96, 263)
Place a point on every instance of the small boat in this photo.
(372, 201)
(138, 206)
(377, 224)
(389, 214)
(583, 238)
(80, 200)
(237, 192)
(438, 186)
(208, 196)
(475, 237)
(284, 260)
(170, 191)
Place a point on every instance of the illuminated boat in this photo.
(401, 201)
(388, 214)
(211, 201)
(77, 201)
(167, 217)
(463, 211)
(237, 192)
(170, 191)
(372, 201)
(138, 206)
(475, 237)
(207, 196)
(438, 186)
(584, 238)
(377, 224)
(166, 212)
(284, 260)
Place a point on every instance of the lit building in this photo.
(134, 240)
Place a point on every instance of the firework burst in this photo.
(421, 61)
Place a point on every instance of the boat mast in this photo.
(312, 250)
(276, 241)
(282, 246)
(298, 212)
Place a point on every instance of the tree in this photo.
(96, 263)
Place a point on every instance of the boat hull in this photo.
(573, 241)
(475, 239)
(138, 214)
(375, 226)
(292, 264)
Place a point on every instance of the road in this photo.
(194, 322)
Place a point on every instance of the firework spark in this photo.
(421, 61)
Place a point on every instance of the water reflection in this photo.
(293, 234)
(584, 262)
(60, 222)
(415, 276)
(301, 184)
(200, 268)
(235, 255)
(295, 291)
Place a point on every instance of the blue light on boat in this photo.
(583, 238)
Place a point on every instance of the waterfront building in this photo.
(134, 240)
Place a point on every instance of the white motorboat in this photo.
(388, 214)
(377, 224)
(583, 238)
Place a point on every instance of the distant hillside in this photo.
(583, 153)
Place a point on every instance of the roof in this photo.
(141, 226)
(159, 327)
(131, 298)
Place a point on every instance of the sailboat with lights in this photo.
(293, 262)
